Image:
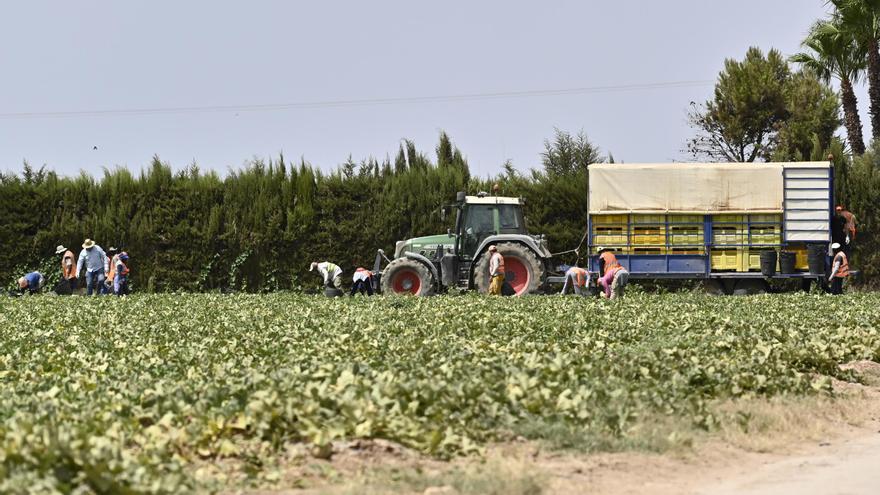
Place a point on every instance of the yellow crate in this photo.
(751, 260)
(686, 219)
(800, 256)
(656, 219)
(766, 217)
(648, 250)
(609, 240)
(685, 240)
(726, 259)
(731, 235)
(610, 219)
(679, 250)
(729, 219)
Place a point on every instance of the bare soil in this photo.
(791, 446)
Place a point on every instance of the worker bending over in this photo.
(32, 282)
(611, 274)
(578, 278)
(331, 273)
(363, 282)
(839, 269)
(496, 271)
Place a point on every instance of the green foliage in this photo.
(749, 104)
(131, 395)
(863, 200)
(831, 52)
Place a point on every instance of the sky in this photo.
(219, 83)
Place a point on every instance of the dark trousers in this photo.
(363, 286)
(837, 286)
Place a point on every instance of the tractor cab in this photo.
(482, 216)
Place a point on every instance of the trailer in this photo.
(713, 221)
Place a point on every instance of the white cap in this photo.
(836, 245)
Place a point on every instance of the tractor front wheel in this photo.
(405, 276)
(524, 271)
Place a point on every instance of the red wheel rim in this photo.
(516, 274)
(406, 281)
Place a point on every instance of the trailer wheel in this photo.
(404, 276)
(524, 272)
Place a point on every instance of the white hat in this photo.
(88, 244)
(836, 245)
(60, 249)
(313, 266)
(493, 248)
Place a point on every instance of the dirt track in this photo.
(850, 467)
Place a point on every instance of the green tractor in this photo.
(424, 266)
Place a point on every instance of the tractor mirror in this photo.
(449, 232)
(460, 197)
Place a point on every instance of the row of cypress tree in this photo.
(258, 228)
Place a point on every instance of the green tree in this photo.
(860, 20)
(567, 154)
(813, 117)
(832, 54)
(739, 124)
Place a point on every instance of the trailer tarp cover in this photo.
(686, 187)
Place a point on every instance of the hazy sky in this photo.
(95, 56)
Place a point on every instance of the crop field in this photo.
(146, 393)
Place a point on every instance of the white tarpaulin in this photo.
(686, 187)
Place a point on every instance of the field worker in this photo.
(32, 282)
(68, 267)
(363, 282)
(849, 229)
(496, 271)
(332, 273)
(110, 269)
(578, 278)
(93, 259)
(618, 283)
(121, 271)
(608, 266)
(839, 269)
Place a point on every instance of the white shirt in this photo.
(329, 271)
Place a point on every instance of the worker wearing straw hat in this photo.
(68, 267)
(93, 259)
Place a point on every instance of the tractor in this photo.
(424, 266)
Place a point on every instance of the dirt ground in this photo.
(802, 446)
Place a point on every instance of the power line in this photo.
(361, 102)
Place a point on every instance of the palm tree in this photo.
(860, 19)
(833, 54)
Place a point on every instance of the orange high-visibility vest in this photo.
(500, 270)
(68, 271)
(580, 275)
(112, 272)
(843, 271)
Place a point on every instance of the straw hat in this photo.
(60, 249)
(88, 244)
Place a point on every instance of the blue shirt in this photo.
(34, 280)
(94, 259)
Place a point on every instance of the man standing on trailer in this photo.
(839, 269)
(849, 229)
(496, 271)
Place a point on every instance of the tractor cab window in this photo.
(482, 221)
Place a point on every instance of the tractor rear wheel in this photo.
(405, 276)
(523, 270)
